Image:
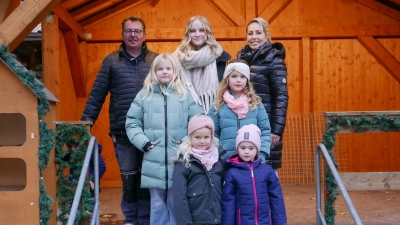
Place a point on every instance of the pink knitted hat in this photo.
(249, 133)
(198, 122)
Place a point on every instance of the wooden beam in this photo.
(364, 181)
(334, 31)
(153, 3)
(51, 71)
(93, 8)
(380, 8)
(126, 5)
(373, 5)
(271, 11)
(75, 63)
(22, 20)
(237, 33)
(396, 1)
(251, 10)
(226, 8)
(11, 7)
(305, 73)
(383, 56)
(51, 53)
(70, 4)
(3, 8)
(67, 22)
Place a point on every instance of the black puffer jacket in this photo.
(123, 76)
(221, 64)
(268, 74)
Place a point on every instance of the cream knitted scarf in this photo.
(199, 74)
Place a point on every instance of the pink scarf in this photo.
(207, 157)
(239, 106)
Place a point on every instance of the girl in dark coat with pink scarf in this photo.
(198, 176)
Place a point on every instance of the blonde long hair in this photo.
(185, 147)
(254, 100)
(186, 44)
(176, 83)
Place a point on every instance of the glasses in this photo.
(137, 32)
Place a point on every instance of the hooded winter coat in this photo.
(197, 192)
(163, 120)
(227, 124)
(268, 75)
(251, 194)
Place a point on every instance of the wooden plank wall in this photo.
(326, 73)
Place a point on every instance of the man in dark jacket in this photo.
(122, 75)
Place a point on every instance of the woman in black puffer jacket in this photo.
(268, 74)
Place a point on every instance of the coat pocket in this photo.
(195, 199)
(194, 193)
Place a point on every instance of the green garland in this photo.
(67, 133)
(27, 77)
(384, 122)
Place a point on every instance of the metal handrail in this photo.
(320, 218)
(79, 188)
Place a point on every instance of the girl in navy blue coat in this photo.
(252, 193)
(198, 176)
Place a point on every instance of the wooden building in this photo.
(342, 55)
(19, 144)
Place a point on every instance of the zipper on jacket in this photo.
(166, 141)
(134, 61)
(238, 123)
(239, 218)
(255, 194)
(270, 215)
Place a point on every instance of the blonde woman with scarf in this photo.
(201, 61)
(237, 105)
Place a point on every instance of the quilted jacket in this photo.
(268, 74)
(227, 124)
(122, 76)
(251, 194)
(163, 120)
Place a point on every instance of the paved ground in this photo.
(373, 207)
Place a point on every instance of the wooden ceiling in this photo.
(90, 12)
(80, 15)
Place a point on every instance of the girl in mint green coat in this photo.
(156, 122)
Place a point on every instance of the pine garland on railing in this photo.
(384, 122)
(27, 77)
(69, 133)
